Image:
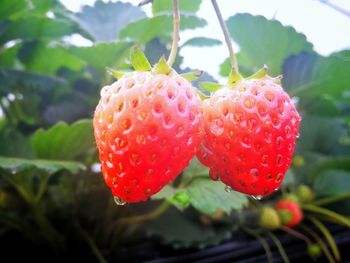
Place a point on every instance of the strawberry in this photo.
(305, 193)
(250, 131)
(147, 129)
(269, 218)
(290, 212)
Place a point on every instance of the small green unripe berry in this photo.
(314, 251)
(305, 193)
(298, 161)
(269, 218)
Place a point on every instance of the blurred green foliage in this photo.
(50, 87)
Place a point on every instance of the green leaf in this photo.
(14, 80)
(209, 196)
(166, 193)
(225, 67)
(210, 86)
(64, 142)
(184, 230)
(332, 182)
(202, 42)
(103, 55)
(146, 29)
(192, 75)
(8, 56)
(195, 168)
(166, 6)
(36, 27)
(104, 21)
(35, 58)
(14, 144)
(16, 165)
(10, 7)
(308, 75)
(326, 140)
(155, 49)
(139, 60)
(265, 41)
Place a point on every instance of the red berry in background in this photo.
(290, 212)
(147, 129)
(250, 133)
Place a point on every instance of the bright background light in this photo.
(327, 29)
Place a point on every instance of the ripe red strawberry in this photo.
(289, 211)
(250, 132)
(147, 129)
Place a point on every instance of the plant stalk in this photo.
(176, 34)
(224, 29)
(145, 217)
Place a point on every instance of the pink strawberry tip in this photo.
(140, 63)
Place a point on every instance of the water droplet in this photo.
(216, 127)
(276, 189)
(119, 201)
(254, 172)
(256, 197)
(109, 164)
(228, 189)
(298, 135)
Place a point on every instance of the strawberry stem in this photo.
(223, 26)
(176, 35)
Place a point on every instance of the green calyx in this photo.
(140, 63)
(234, 78)
(285, 216)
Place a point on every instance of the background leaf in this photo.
(202, 42)
(103, 21)
(209, 196)
(264, 41)
(15, 165)
(62, 141)
(36, 27)
(166, 6)
(146, 29)
(307, 75)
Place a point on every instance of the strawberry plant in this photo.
(88, 132)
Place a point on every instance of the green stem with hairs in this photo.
(328, 236)
(320, 242)
(262, 241)
(145, 217)
(279, 247)
(176, 35)
(331, 199)
(223, 26)
(319, 210)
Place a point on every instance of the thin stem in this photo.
(296, 234)
(315, 209)
(279, 247)
(320, 242)
(328, 236)
(331, 199)
(263, 243)
(145, 217)
(176, 35)
(92, 244)
(227, 37)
